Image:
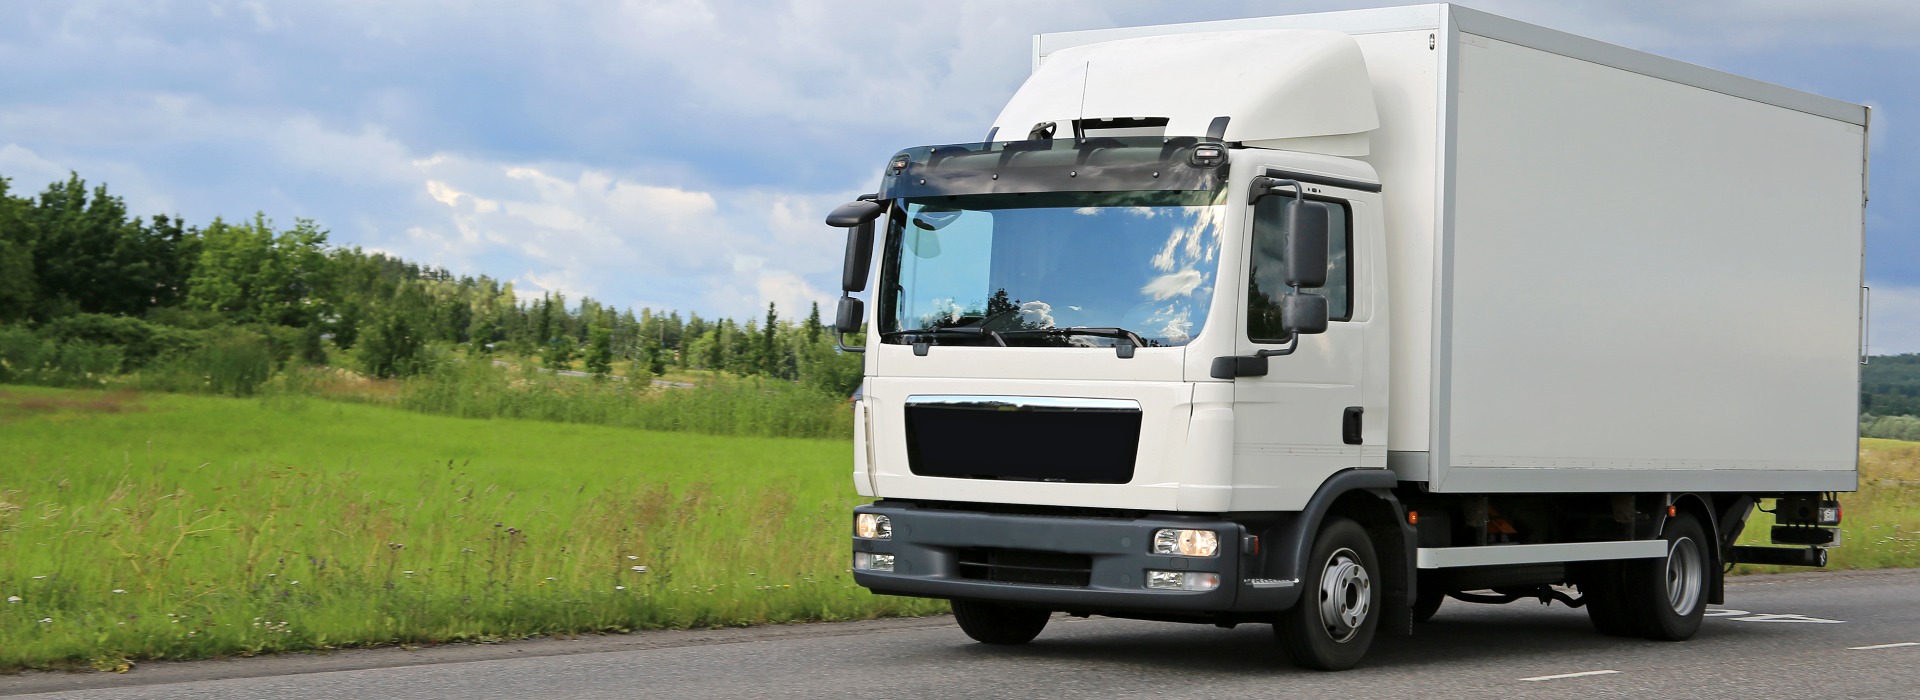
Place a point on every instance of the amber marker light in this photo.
(1413, 517)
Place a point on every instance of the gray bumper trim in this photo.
(926, 543)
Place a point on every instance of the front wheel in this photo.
(1426, 602)
(1333, 624)
(993, 623)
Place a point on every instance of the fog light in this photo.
(869, 561)
(873, 527)
(1182, 580)
(1188, 543)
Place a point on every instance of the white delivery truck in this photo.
(1317, 320)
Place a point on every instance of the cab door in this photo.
(1300, 422)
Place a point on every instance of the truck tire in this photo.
(993, 623)
(1339, 609)
(1602, 587)
(1426, 602)
(1669, 595)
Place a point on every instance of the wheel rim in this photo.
(1346, 593)
(1683, 576)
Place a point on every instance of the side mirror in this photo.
(857, 217)
(856, 212)
(1306, 259)
(852, 312)
(853, 276)
(1304, 314)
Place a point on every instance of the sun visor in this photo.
(1297, 89)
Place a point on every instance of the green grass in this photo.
(137, 526)
(140, 526)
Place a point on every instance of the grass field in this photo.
(136, 526)
(166, 526)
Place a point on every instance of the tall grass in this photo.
(30, 359)
(186, 527)
(231, 363)
(722, 406)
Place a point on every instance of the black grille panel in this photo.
(1026, 566)
(1084, 447)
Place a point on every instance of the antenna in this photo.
(1079, 134)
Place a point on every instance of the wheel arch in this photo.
(1366, 497)
(1701, 507)
(1384, 519)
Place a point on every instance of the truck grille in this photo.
(1002, 438)
(1026, 566)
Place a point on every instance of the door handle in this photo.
(1350, 424)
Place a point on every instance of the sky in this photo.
(680, 154)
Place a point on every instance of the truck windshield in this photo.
(1117, 266)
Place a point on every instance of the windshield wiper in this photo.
(1124, 349)
(920, 346)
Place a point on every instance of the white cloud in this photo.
(590, 232)
(1173, 284)
(678, 151)
(1037, 313)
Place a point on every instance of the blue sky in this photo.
(681, 154)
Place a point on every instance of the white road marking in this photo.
(1887, 646)
(1569, 675)
(1713, 612)
(1786, 617)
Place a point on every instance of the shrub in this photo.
(30, 358)
(1890, 427)
(139, 340)
(230, 361)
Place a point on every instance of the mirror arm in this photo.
(1264, 186)
(840, 343)
(1292, 345)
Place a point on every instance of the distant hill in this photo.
(1890, 385)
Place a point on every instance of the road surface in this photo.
(1822, 634)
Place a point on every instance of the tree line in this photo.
(89, 289)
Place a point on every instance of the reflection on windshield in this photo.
(1142, 262)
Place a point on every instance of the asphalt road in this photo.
(1824, 634)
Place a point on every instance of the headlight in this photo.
(1190, 543)
(873, 527)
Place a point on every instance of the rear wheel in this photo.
(1333, 624)
(1668, 596)
(1603, 588)
(993, 623)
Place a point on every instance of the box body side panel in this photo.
(1645, 278)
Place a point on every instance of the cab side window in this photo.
(1266, 278)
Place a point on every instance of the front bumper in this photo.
(929, 545)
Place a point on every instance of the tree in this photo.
(17, 238)
(89, 257)
(813, 325)
(599, 358)
(251, 274)
(392, 343)
(558, 353)
(769, 361)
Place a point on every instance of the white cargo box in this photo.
(1611, 271)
